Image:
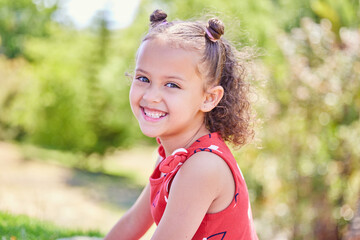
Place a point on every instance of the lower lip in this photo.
(150, 119)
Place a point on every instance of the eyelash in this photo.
(170, 84)
(141, 79)
(173, 85)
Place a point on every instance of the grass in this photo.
(21, 227)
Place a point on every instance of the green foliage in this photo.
(25, 228)
(340, 13)
(71, 95)
(20, 19)
(310, 137)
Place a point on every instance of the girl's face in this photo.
(167, 92)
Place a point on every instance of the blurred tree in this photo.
(77, 96)
(20, 19)
(97, 99)
(312, 133)
(107, 131)
(344, 13)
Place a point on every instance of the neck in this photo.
(183, 140)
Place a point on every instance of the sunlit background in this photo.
(72, 158)
(120, 13)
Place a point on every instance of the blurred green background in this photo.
(65, 88)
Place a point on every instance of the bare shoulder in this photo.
(213, 174)
(210, 169)
(205, 169)
(207, 162)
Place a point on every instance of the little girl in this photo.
(189, 92)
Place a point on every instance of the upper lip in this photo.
(152, 109)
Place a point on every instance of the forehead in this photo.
(163, 57)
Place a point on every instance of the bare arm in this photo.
(136, 221)
(194, 189)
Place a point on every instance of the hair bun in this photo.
(158, 16)
(216, 28)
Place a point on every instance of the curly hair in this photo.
(222, 64)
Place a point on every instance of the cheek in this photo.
(187, 102)
(134, 96)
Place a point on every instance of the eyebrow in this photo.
(140, 70)
(170, 76)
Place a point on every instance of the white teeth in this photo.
(154, 114)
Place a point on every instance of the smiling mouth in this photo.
(153, 113)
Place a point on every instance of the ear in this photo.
(212, 98)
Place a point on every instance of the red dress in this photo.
(234, 222)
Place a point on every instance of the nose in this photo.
(152, 94)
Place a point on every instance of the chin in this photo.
(149, 133)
